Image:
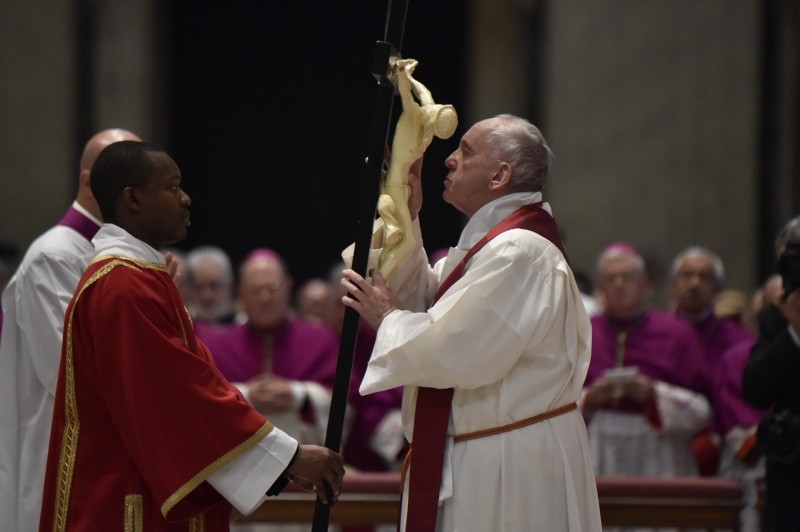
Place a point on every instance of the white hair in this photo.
(522, 145)
(614, 252)
(213, 254)
(716, 262)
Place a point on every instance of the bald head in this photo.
(101, 140)
(90, 152)
(264, 290)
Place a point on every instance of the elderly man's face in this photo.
(470, 170)
(212, 291)
(624, 286)
(695, 285)
(264, 293)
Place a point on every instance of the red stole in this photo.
(432, 412)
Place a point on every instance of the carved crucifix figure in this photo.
(420, 121)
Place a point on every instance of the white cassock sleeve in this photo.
(244, 481)
(681, 410)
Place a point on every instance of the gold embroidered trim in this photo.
(212, 468)
(69, 441)
(198, 524)
(142, 263)
(183, 331)
(134, 514)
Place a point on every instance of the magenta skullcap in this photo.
(621, 247)
(264, 253)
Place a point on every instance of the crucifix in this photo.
(386, 54)
(421, 120)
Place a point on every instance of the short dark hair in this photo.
(122, 164)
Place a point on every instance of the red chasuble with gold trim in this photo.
(142, 415)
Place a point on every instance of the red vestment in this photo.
(142, 415)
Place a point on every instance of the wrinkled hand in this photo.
(372, 301)
(313, 465)
(270, 394)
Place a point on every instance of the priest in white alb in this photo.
(492, 345)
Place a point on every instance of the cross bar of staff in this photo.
(386, 53)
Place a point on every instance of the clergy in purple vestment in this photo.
(648, 386)
(697, 276)
(734, 411)
(285, 366)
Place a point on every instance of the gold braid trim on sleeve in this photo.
(212, 468)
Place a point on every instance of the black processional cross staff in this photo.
(386, 54)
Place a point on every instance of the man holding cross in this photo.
(494, 361)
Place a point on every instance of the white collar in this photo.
(81, 209)
(114, 240)
(493, 212)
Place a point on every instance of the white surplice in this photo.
(627, 444)
(513, 338)
(34, 303)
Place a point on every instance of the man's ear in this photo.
(502, 177)
(84, 181)
(289, 287)
(130, 199)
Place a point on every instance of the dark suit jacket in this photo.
(772, 378)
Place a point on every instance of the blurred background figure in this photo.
(178, 257)
(284, 364)
(437, 255)
(312, 300)
(697, 276)
(771, 379)
(210, 285)
(647, 390)
(735, 304)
